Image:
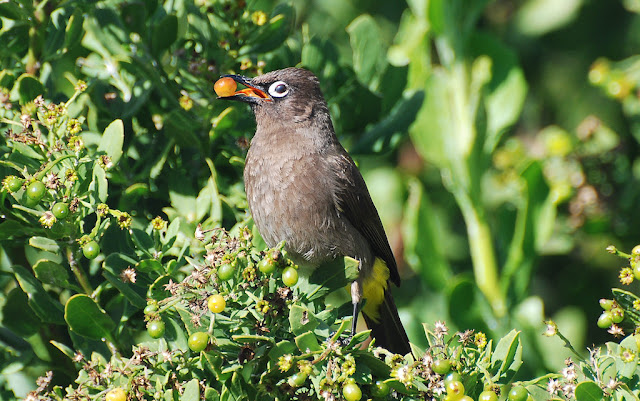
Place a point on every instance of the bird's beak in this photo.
(251, 94)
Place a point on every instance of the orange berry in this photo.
(225, 87)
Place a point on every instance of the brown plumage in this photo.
(304, 188)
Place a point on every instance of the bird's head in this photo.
(291, 93)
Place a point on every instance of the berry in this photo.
(441, 366)
(605, 320)
(606, 304)
(216, 303)
(518, 393)
(636, 250)
(297, 379)
(636, 270)
(60, 210)
(465, 398)
(455, 389)
(380, 389)
(198, 341)
(351, 392)
(453, 376)
(617, 315)
(267, 265)
(226, 272)
(117, 394)
(225, 87)
(91, 249)
(488, 395)
(13, 183)
(35, 191)
(155, 328)
(150, 309)
(290, 276)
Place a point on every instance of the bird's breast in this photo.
(291, 200)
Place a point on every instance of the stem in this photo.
(483, 256)
(78, 272)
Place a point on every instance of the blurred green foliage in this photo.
(499, 140)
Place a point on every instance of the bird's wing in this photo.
(353, 200)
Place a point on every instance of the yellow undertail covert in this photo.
(373, 289)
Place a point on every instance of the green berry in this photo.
(455, 389)
(636, 250)
(216, 303)
(150, 309)
(488, 395)
(226, 272)
(605, 320)
(13, 183)
(441, 366)
(198, 341)
(453, 376)
(606, 304)
(518, 393)
(380, 389)
(267, 265)
(636, 270)
(617, 315)
(117, 394)
(91, 249)
(290, 276)
(465, 398)
(35, 191)
(297, 379)
(60, 210)
(155, 328)
(351, 392)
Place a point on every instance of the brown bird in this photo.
(303, 188)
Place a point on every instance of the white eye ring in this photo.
(279, 89)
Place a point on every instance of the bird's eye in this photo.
(278, 89)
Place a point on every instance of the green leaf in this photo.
(302, 320)
(431, 131)
(55, 33)
(329, 277)
(539, 17)
(112, 140)
(17, 316)
(164, 34)
(191, 391)
(422, 239)
(99, 186)
(46, 244)
(410, 42)
(307, 342)
(150, 266)
(588, 391)
(86, 318)
(65, 349)
(369, 53)
(13, 10)
(320, 56)
(143, 241)
(463, 303)
(506, 90)
(73, 30)
(383, 135)
(47, 308)
(506, 358)
(26, 89)
(271, 35)
(51, 273)
(128, 290)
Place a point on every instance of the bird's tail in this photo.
(386, 328)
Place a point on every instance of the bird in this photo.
(303, 188)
